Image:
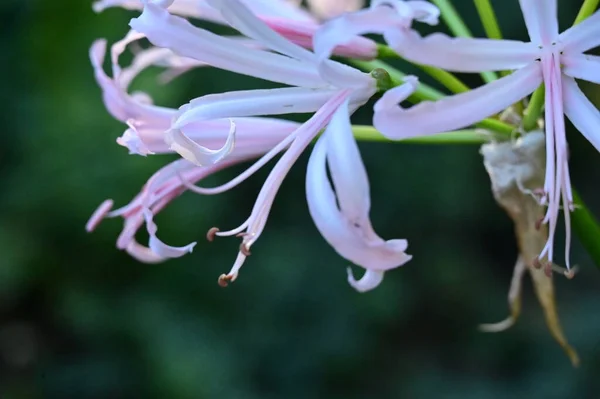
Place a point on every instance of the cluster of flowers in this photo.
(281, 42)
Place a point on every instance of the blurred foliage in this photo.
(80, 319)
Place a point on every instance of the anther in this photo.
(245, 250)
(569, 273)
(538, 223)
(210, 235)
(536, 263)
(224, 280)
(548, 269)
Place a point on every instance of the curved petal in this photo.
(370, 280)
(347, 170)
(455, 111)
(117, 101)
(194, 152)
(582, 66)
(143, 254)
(242, 19)
(177, 34)
(422, 11)
(581, 112)
(358, 244)
(253, 102)
(541, 20)
(464, 54)
(98, 215)
(327, 9)
(343, 29)
(581, 37)
(160, 248)
(199, 9)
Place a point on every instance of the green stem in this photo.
(534, 109)
(424, 92)
(427, 93)
(488, 19)
(459, 28)
(451, 82)
(469, 136)
(587, 229)
(447, 79)
(587, 9)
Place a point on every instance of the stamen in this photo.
(224, 280)
(212, 232)
(536, 263)
(538, 224)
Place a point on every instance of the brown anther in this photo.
(224, 280)
(569, 273)
(548, 269)
(536, 263)
(538, 223)
(245, 250)
(210, 235)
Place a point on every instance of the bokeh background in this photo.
(80, 319)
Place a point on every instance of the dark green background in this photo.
(80, 319)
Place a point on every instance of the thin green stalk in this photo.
(488, 19)
(424, 92)
(587, 9)
(497, 126)
(447, 79)
(587, 229)
(459, 28)
(451, 82)
(534, 109)
(427, 93)
(468, 136)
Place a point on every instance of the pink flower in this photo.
(342, 216)
(318, 85)
(550, 58)
(285, 17)
(327, 9)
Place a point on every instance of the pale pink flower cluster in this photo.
(215, 131)
(283, 43)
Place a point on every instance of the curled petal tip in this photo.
(99, 214)
(370, 280)
(195, 153)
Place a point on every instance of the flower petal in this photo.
(463, 54)
(370, 280)
(581, 112)
(160, 248)
(120, 104)
(201, 10)
(177, 34)
(195, 153)
(541, 20)
(98, 215)
(253, 102)
(422, 11)
(358, 244)
(343, 29)
(242, 19)
(582, 66)
(455, 111)
(347, 170)
(327, 9)
(581, 37)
